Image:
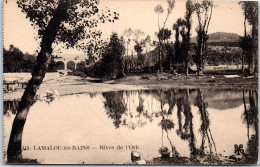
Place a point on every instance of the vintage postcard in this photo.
(154, 82)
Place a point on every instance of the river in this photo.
(103, 128)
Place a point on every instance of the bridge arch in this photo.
(71, 65)
(60, 65)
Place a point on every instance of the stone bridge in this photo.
(69, 63)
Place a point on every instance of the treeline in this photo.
(179, 55)
(115, 63)
(134, 52)
(223, 56)
(14, 60)
(230, 44)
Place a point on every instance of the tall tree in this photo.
(169, 48)
(177, 49)
(138, 47)
(128, 33)
(187, 34)
(250, 9)
(147, 45)
(164, 35)
(244, 43)
(57, 21)
(113, 57)
(183, 27)
(140, 57)
(159, 10)
(181, 46)
(203, 11)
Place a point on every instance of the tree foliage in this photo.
(138, 48)
(113, 57)
(128, 33)
(14, 60)
(249, 42)
(78, 24)
(159, 10)
(203, 11)
(184, 26)
(164, 34)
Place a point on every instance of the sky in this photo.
(136, 14)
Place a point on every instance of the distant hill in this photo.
(220, 37)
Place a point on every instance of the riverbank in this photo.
(66, 85)
(192, 81)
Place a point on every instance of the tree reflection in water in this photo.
(167, 98)
(140, 110)
(186, 132)
(136, 108)
(250, 117)
(115, 106)
(10, 107)
(205, 128)
(121, 108)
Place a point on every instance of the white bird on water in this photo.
(48, 93)
(54, 93)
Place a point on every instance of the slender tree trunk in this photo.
(243, 64)
(199, 52)
(188, 44)
(186, 67)
(243, 55)
(171, 64)
(201, 58)
(160, 57)
(252, 62)
(127, 67)
(121, 71)
(246, 114)
(14, 151)
(254, 47)
(200, 65)
(251, 65)
(133, 62)
(121, 67)
(177, 49)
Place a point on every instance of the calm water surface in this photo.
(187, 122)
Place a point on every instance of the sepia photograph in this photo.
(130, 82)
